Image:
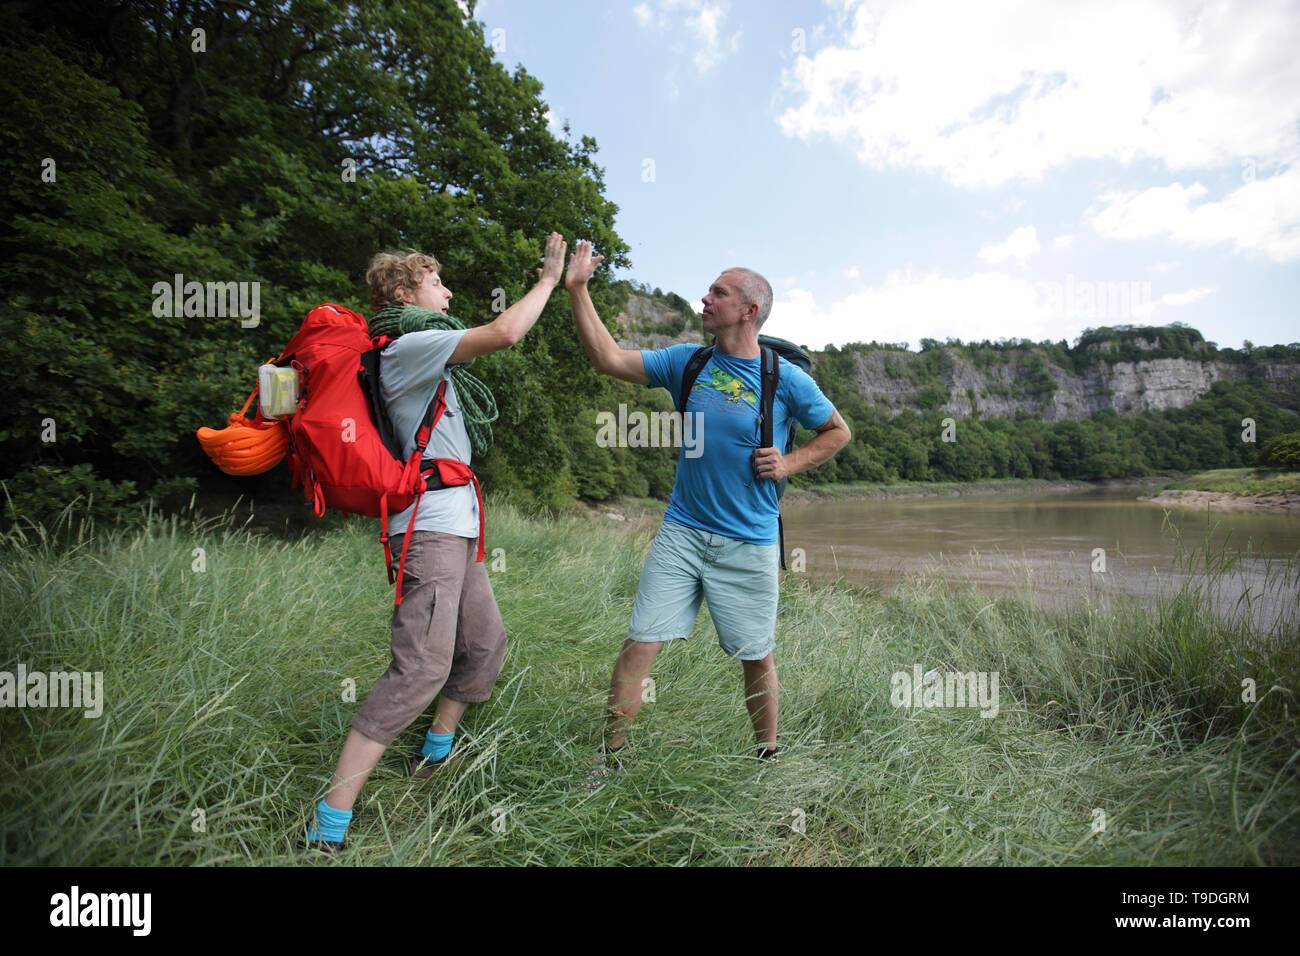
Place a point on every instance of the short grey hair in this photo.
(754, 288)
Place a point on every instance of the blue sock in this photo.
(437, 746)
(330, 824)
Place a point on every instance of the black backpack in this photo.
(770, 347)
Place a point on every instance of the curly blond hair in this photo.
(388, 270)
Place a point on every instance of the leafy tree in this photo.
(303, 137)
(1281, 452)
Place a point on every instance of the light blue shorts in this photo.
(738, 579)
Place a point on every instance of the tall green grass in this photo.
(1241, 481)
(225, 694)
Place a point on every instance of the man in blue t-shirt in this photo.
(718, 540)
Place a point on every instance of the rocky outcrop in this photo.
(646, 323)
(1020, 380)
(655, 340)
(1027, 382)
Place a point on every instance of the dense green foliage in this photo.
(1281, 452)
(296, 142)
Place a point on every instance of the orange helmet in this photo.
(244, 447)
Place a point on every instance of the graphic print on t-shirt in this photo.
(724, 392)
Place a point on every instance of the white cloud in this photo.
(1145, 310)
(1262, 216)
(1163, 267)
(1063, 241)
(702, 22)
(1191, 295)
(907, 307)
(992, 92)
(852, 272)
(1021, 245)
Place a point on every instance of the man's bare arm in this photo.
(606, 356)
(832, 435)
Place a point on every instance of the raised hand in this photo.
(582, 264)
(553, 259)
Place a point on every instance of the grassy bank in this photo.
(1240, 481)
(225, 694)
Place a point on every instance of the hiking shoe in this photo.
(607, 766)
(421, 767)
(324, 846)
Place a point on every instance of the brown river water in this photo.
(1042, 545)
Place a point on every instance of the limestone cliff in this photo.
(1028, 382)
(961, 380)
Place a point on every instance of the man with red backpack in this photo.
(448, 640)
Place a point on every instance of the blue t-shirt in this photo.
(717, 491)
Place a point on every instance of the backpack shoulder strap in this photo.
(368, 377)
(771, 371)
(436, 408)
(694, 365)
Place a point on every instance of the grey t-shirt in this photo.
(410, 369)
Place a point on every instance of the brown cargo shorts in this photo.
(448, 635)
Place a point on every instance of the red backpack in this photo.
(341, 444)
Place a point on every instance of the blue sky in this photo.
(936, 169)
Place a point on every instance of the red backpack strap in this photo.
(383, 534)
(482, 521)
(449, 473)
(406, 543)
(436, 408)
(447, 468)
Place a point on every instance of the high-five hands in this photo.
(582, 264)
(770, 463)
(553, 259)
